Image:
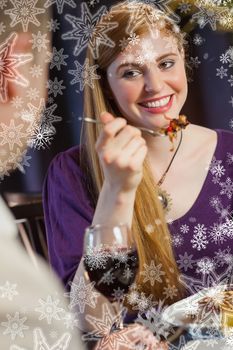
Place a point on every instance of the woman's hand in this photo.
(121, 150)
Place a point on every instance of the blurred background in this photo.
(209, 28)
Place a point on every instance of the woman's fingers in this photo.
(111, 128)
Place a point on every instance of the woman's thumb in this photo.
(106, 117)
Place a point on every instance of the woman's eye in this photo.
(131, 74)
(167, 64)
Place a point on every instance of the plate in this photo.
(201, 314)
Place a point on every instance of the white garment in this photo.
(33, 313)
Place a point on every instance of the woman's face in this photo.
(148, 80)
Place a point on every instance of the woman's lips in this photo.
(159, 109)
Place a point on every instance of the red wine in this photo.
(117, 270)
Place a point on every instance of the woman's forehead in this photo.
(146, 49)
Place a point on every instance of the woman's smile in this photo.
(157, 105)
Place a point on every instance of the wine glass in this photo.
(111, 260)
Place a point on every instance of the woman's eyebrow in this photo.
(136, 65)
(127, 64)
(166, 55)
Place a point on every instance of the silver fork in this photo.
(148, 131)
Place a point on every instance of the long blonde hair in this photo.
(153, 244)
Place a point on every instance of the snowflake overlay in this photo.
(24, 12)
(84, 31)
(82, 295)
(9, 62)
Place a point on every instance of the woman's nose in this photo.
(153, 82)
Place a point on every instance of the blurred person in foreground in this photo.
(33, 313)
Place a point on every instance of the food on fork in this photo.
(174, 126)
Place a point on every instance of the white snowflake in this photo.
(231, 80)
(19, 160)
(177, 240)
(224, 58)
(207, 15)
(39, 41)
(84, 75)
(215, 202)
(200, 229)
(49, 309)
(47, 118)
(170, 292)
(199, 240)
(221, 72)
(184, 228)
(107, 278)
(93, 2)
(57, 58)
(184, 7)
(17, 102)
(153, 321)
(152, 273)
(33, 94)
(55, 87)
(41, 138)
(11, 134)
(205, 265)
(133, 39)
(217, 234)
(198, 40)
(185, 261)
(70, 320)
(227, 227)
(218, 170)
(96, 258)
(8, 290)
(144, 303)
(53, 25)
(82, 294)
(14, 326)
(104, 331)
(118, 294)
(84, 31)
(60, 4)
(36, 71)
(227, 187)
(128, 274)
(194, 62)
(24, 12)
(221, 256)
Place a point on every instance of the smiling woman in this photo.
(115, 176)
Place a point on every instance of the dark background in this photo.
(207, 103)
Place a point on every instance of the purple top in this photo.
(202, 238)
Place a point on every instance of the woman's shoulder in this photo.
(65, 167)
(220, 137)
(67, 160)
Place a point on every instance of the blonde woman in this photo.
(173, 196)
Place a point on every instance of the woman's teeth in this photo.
(158, 103)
